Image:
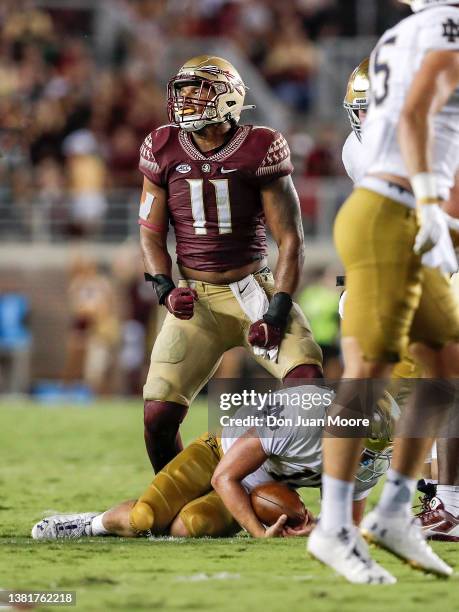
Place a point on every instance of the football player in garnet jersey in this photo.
(217, 183)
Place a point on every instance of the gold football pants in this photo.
(184, 488)
(392, 300)
(187, 353)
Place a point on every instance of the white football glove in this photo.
(433, 228)
(441, 255)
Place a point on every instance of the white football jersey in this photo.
(294, 451)
(354, 160)
(393, 65)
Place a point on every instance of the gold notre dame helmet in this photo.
(356, 99)
(219, 94)
(377, 453)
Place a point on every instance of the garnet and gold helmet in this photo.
(218, 93)
(419, 5)
(377, 452)
(357, 93)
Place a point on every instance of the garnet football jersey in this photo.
(214, 198)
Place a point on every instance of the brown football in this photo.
(272, 499)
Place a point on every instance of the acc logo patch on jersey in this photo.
(183, 168)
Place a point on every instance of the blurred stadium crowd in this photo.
(72, 118)
(71, 121)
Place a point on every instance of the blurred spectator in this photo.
(139, 316)
(123, 157)
(291, 64)
(15, 343)
(86, 180)
(94, 327)
(324, 158)
(49, 210)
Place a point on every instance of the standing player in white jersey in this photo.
(440, 510)
(411, 137)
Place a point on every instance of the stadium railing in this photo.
(42, 222)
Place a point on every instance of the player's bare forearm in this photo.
(155, 255)
(414, 132)
(432, 87)
(282, 211)
(236, 499)
(289, 264)
(244, 457)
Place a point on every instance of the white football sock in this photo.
(449, 495)
(97, 526)
(397, 494)
(336, 505)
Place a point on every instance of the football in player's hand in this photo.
(273, 499)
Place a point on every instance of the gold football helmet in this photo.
(419, 5)
(218, 93)
(357, 93)
(377, 452)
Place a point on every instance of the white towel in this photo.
(254, 302)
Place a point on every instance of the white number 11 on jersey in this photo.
(222, 200)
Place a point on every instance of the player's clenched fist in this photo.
(180, 302)
(264, 335)
(267, 332)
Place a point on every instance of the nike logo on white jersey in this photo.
(225, 171)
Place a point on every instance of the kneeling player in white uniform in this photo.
(204, 490)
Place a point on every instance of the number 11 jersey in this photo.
(214, 198)
(393, 65)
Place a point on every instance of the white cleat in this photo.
(347, 553)
(402, 536)
(68, 526)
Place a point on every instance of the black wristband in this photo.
(279, 309)
(162, 284)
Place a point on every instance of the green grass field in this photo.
(88, 458)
